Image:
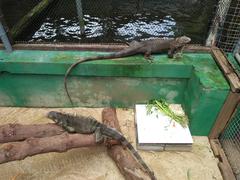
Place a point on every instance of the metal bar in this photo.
(6, 28)
(5, 39)
(80, 16)
(236, 52)
(237, 56)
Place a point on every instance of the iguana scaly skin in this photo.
(144, 47)
(89, 125)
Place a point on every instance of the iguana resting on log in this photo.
(89, 125)
(144, 47)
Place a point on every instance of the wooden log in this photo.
(32, 146)
(223, 164)
(19, 132)
(225, 167)
(226, 174)
(227, 69)
(215, 147)
(29, 17)
(127, 164)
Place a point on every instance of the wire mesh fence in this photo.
(107, 21)
(230, 141)
(13, 11)
(229, 32)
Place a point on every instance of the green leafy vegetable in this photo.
(161, 105)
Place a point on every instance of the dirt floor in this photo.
(94, 163)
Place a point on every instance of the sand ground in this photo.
(94, 163)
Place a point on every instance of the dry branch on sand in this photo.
(19, 132)
(124, 160)
(32, 146)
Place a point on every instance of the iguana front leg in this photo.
(148, 56)
(98, 135)
(178, 53)
(171, 52)
(175, 52)
(70, 129)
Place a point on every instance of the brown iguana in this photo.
(144, 47)
(89, 125)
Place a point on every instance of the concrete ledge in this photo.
(35, 79)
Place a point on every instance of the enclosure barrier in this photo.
(225, 29)
(230, 141)
(90, 21)
(229, 33)
(224, 137)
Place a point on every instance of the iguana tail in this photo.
(123, 53)
(110, 132)
(138, 157)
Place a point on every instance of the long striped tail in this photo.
(123, 53)
(139, 158)
(113, 133)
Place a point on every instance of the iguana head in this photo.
(53, 115)
(57, 117)
(183, 40)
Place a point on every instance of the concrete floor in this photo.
(94, 163)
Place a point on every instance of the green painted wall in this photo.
(35, 79)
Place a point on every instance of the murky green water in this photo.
(115, 20)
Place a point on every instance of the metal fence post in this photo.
(5, 39)
(236, 51)
(80, 16)
(4, 36)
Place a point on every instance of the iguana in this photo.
(144, 47)
(89, 125)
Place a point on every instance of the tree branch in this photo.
(19, 132)
(32, 146)
(127, 164)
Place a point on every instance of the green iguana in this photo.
(89, 125)
(144, 47)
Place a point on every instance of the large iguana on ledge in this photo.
(144, 47)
